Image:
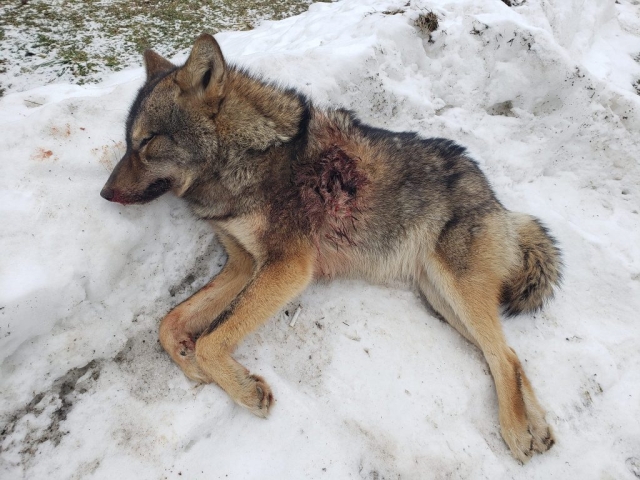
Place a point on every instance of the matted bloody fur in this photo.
(328, 190)
(297, 193)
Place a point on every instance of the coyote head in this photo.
(201, 124)
(170, 134)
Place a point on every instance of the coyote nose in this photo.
(107, 193)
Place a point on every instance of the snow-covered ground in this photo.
(368, 384)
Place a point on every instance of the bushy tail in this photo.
(539, 272)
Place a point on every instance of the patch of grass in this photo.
(79, 40)
(3, 70)
(427, 22)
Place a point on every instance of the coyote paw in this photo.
(533, 436)
(256, 396)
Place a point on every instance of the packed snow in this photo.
(368, 383)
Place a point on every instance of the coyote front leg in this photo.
(274, 284)
(181, 327)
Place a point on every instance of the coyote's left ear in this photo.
(155, 64)
(205, 72)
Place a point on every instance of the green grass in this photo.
(80, 40)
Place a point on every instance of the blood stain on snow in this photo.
(108, 155)
(64, 132)
(41, 155)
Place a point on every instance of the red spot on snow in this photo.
(41, 154)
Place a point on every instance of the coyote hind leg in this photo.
(470, 304)
(181, 327)
(440, 305)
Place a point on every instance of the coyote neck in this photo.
(277, 154)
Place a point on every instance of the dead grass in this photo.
(80, 40)
(427, 22)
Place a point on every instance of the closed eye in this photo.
(147, 140)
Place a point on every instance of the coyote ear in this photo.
(155, 64)
(205, 71)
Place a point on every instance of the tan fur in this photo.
(185, 323)
(539, 265)
(248, 231)
(470, 303)
(274, 285)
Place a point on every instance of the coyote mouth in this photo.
(153, 191)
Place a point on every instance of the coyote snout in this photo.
(297, 193)
(132, 182)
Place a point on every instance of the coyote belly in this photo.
(296, 193)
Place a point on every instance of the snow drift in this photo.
(368, 384)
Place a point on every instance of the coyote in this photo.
(296, 193)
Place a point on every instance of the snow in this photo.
(368, 384)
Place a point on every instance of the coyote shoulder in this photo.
(296, 193)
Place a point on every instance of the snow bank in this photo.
(368, 384)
